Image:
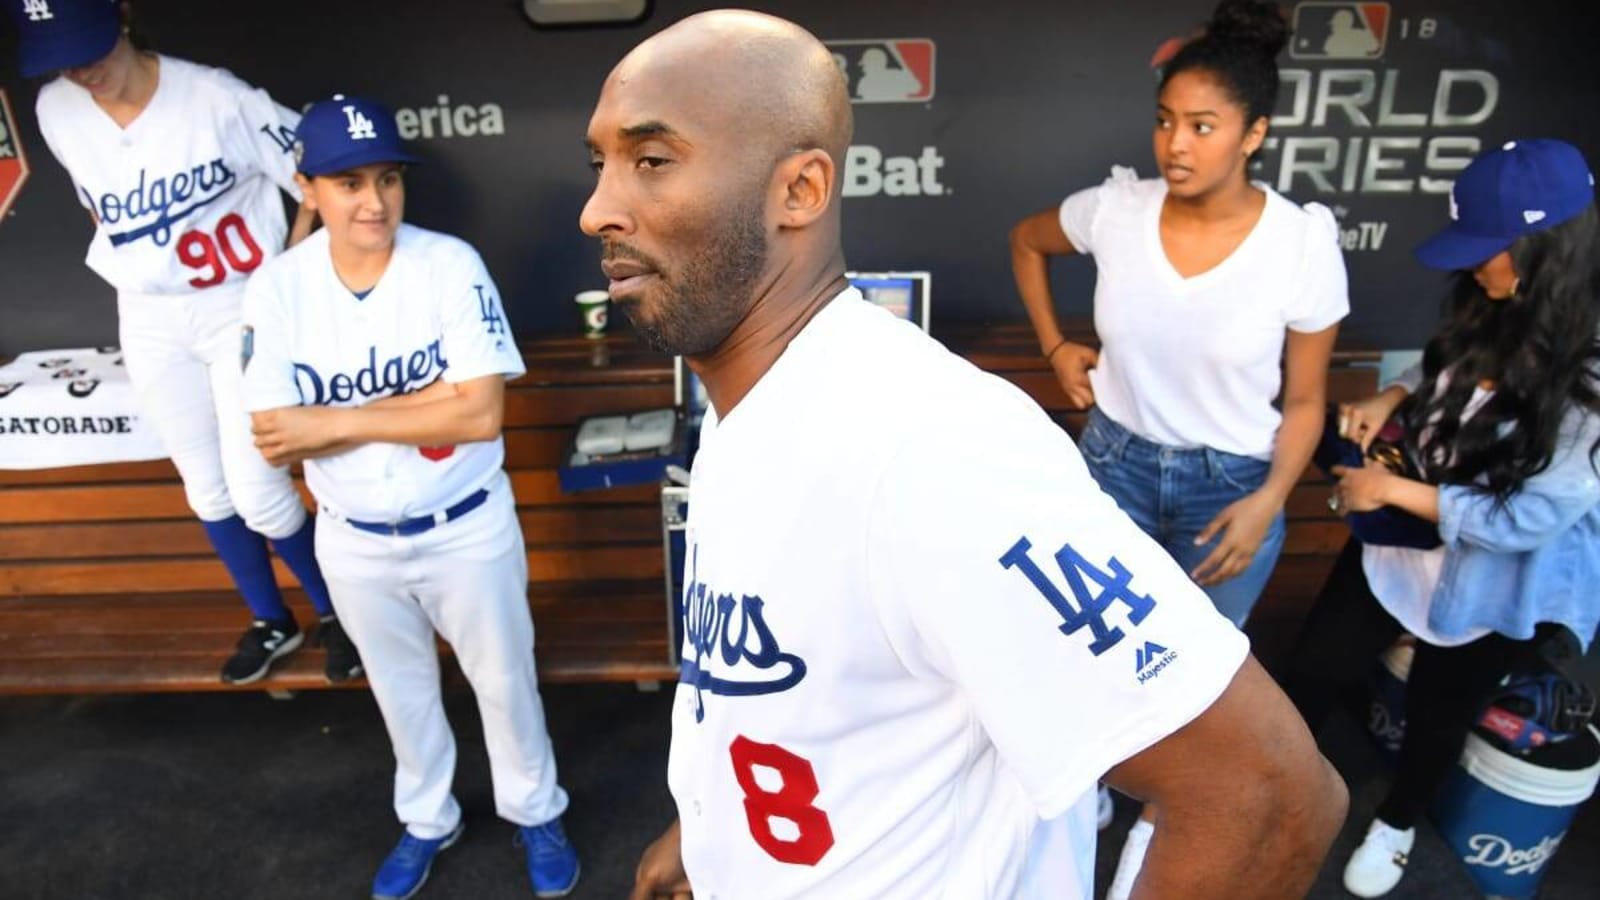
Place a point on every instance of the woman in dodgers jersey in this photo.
(381, 355)
(1213, 294)
(914, 626)
(180, 166)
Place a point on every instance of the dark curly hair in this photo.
(1539, 348)
(1240, 48)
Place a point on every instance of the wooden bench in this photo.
(107, 583)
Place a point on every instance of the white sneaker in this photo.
(1131, 861)
(1107, 810)
(1378, 864)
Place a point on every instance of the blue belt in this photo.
(408, 527)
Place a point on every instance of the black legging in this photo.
(1343, 635)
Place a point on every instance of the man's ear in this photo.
(306, 198)
(804, 183)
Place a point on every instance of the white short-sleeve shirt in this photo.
(434, 314)
(914, 627)
(186, 196)
(1197, 362)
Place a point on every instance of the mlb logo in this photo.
(892, 70)
(1340, 30)
(13, 162)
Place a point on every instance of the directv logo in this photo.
(1150, 659)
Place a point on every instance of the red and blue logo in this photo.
(890, 70)
(13, 162)
(1340, 30)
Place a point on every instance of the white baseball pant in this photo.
(182, 356)
(467, 580)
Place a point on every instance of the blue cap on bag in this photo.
(344, 133)
(1521, 188)
(63, 34)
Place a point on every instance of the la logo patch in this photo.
(359, 126)
(37, 10)
(1114, 583)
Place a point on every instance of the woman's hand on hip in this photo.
(1072, 363)
(1243, 524)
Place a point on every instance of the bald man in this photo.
(914, 627)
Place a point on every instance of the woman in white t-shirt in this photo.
(1212, 294)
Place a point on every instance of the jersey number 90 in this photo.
(792, 802)
(229, 247)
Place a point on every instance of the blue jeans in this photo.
(1173, 493)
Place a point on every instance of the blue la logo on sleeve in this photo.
(1114, 587)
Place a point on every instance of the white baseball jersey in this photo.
(914, 627)
(187, 195)
(435, 313)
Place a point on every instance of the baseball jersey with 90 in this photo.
(186, 196)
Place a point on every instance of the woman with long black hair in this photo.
(1503, 419)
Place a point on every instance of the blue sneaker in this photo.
(552, 863)
(406, 868)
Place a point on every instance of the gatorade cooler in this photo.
(1386, 716)
(1505, 816)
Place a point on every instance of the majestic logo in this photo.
(1091, 609)
(1340, 30)
(359, 126)
(167, 198)
(894, 70)
(1495, 852)
(13, 162)
(396, 375)
(37, 10)
(1150, 659)
(753, 662)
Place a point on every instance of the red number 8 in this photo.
(792, 802)
(198, 250)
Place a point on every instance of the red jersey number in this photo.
(792, 802)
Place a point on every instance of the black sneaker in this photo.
(258, 647)
(343, 663)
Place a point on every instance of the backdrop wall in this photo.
(980, 113)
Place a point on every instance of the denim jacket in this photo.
(1535, 558)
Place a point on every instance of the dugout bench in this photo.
(107, 583)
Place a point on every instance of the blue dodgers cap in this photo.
(343, 133)
(63, 34)
(1521, 188)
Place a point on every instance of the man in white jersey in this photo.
(378, 354)
(180, 166)
(914, 626)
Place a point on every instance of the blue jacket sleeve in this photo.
(1546, 504)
